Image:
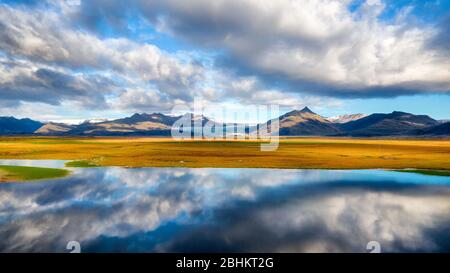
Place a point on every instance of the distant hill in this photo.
(137, 124)
(52, 128)
(442, 129)
(13, 126)
(305, 122)
(395, 123)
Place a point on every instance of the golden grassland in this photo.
(305, 153)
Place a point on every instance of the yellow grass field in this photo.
(317, 153)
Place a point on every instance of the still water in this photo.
(226, 210)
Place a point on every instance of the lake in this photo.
(225, 210)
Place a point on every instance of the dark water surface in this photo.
(227, 210)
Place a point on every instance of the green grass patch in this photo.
(427, 172)
(81, 164)
(23, 173)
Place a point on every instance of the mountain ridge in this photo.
(302, 122)
(13, 126)
(379, 124)
(305, 122)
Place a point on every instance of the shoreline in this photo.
(292, 153)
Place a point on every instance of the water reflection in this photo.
(237, 210)
(34, 162)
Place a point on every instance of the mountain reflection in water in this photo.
(231, 210)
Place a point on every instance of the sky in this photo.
(72, 60)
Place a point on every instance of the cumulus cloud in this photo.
(23, 81)
(251, 90)
(314, 46)
(283, 52)
(43, 38)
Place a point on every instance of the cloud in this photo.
(283, 52)
(23, 81)
(312, 46)
(112, 14)
(251, 90)
(45, 38)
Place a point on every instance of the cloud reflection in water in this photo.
(237, 210)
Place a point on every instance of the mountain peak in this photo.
(306, 110)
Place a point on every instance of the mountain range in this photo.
(295, 123)
(11, 125)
